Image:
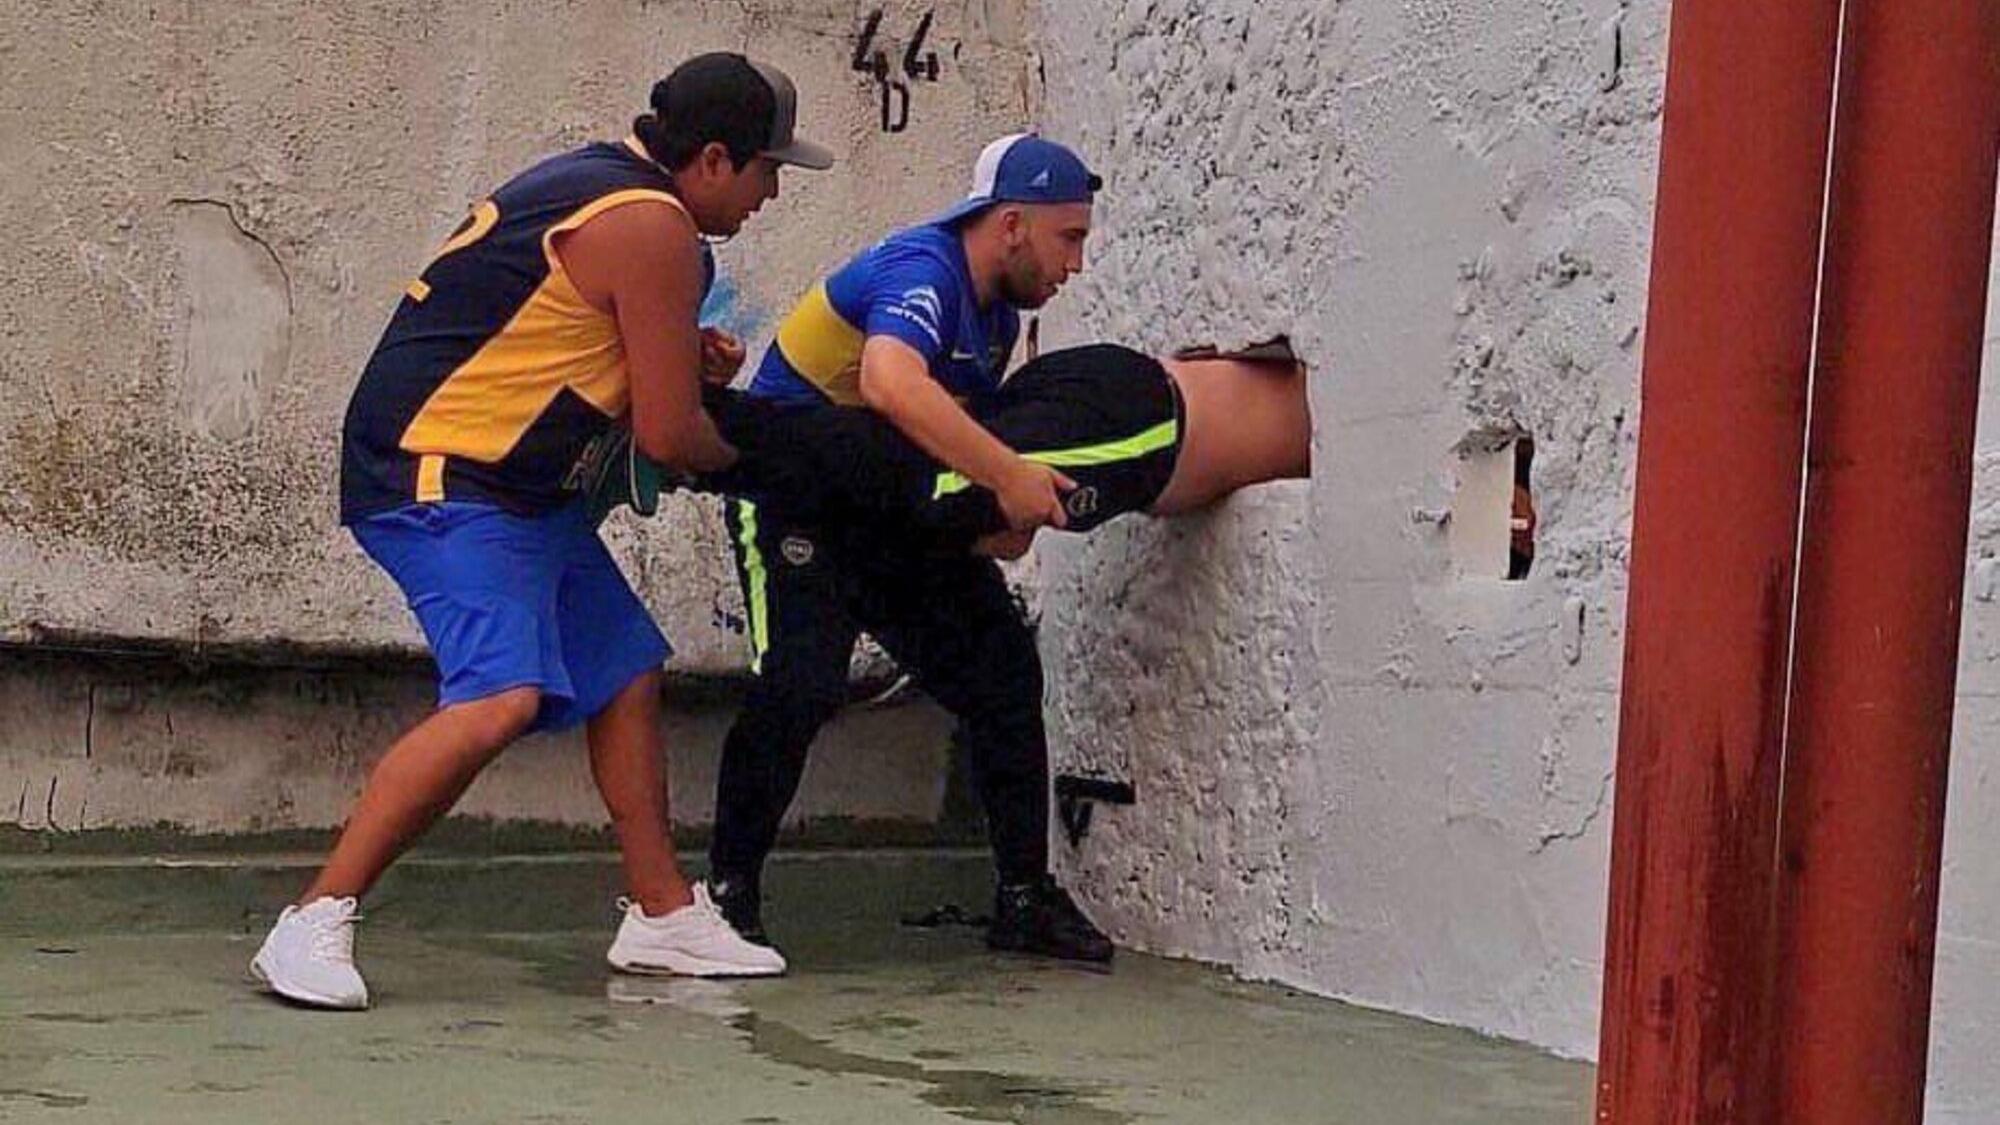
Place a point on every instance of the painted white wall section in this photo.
(1360, 769)
(1389, 780)
(1965, 1037)
(1478, 523)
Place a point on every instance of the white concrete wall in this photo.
(1966, 1012)
(1359, 770)
(215, 206)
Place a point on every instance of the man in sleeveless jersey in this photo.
(564, 304)
(910, 328)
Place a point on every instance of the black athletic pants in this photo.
(948, 618)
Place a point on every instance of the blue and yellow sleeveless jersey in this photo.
(914, 285)
(494, 375)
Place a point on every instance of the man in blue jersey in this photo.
(563, 308)
(911, 328)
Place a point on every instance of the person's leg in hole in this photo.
(802, 639)
(482, 584)
(1109, 416)
(953, 621)
(1243, 422)
(613, 652)
(1139, 434)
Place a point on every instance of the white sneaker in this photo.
(309, 956)
(693, 941)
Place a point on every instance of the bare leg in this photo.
(421, 777)
(628, 760)
(1247, 422)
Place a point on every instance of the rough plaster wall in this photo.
(1368, 773)
(1358, 770)
(219, 204)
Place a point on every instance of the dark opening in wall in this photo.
(1521, 525)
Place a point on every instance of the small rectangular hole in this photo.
(1522, 522)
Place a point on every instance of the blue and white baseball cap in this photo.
(1025, 168)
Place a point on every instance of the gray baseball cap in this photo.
(735, 92)
(785, 146)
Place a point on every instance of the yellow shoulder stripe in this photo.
(823, 347)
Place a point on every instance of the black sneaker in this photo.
(741, 902)
(1041, 918)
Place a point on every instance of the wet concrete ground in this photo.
(114, 1007)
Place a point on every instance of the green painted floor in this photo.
(123, 999)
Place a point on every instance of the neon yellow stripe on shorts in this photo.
(755, 585)
(1110, 452)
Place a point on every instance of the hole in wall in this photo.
(1492, 521)
(1522, 521)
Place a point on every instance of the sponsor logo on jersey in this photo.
(922, 307)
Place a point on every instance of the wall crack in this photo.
(235, 221)
(1596, 810)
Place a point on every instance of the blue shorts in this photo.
(511, 601)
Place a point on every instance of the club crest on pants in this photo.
(1081, 502)
(797, 549)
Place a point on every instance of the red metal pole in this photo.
(1888, 494)
(1687, 1000)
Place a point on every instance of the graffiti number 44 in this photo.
(918, 65)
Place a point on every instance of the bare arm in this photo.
(641, 264)
(896, 383)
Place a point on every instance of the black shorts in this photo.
(1108, 417)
